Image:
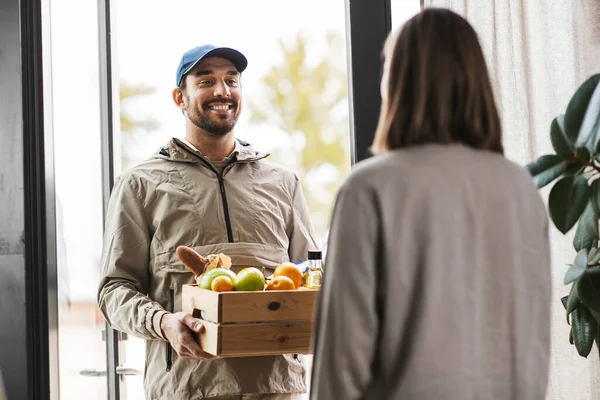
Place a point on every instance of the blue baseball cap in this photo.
(192, 57)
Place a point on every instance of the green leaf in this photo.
(583, 154)
(571, 335)
(595, 314)
(594, 258)
(573, 301)
(564, 301)
(584, 330)
(574, 169)
(595, 195)
(560, 142)
(568, 198)
(581, 258)
(546, 169)
(589, 132)
(577, 268)
(560, 120)
(588, 288)
(573, 273)
(598, 339)
(592, 252)
(542, 163)
(578, 106)
(587, 230)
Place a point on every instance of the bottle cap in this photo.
(314, 254)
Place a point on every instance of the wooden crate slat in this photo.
(209, 338)
(266, 338)
(272, 305)
(203, 304)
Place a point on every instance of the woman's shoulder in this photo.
(435, 164)
(370, 170)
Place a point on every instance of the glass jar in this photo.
(315, 269)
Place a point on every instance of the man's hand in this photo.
(176, 329)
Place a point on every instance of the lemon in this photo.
(221, 283)
(206, 279)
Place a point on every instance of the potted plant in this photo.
(575, 200)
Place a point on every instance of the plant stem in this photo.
(593, 265)
(593, 165)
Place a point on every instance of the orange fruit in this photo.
(221, 283)
(291, 271)
(281, 282)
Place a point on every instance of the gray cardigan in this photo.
(437, 281)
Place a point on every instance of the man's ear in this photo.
(179, 98)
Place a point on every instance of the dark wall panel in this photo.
(13, 334)
(368, 23)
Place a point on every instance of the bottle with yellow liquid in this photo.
(315, 269)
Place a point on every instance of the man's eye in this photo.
(204, 83)
(232, 82)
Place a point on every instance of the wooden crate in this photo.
(242, 324)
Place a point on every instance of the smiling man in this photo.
(216, 194)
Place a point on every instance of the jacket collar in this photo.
(177, 151)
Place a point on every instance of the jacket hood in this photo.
(176, 151)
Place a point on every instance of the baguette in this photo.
(191, 259)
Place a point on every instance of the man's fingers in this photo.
(193, 348)
(192, 323)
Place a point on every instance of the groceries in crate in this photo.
(249, 279)
(312, 270)
(281, 283)
(221, 284)
(290, 271)
(206, 280)
(213, 273)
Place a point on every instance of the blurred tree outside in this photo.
(307, 101)
(128, 94)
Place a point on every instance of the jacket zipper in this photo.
(171, 309)
(223, 199)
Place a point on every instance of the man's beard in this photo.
(214, 126)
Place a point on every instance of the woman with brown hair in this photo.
(437, 276)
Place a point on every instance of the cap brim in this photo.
(237, 59)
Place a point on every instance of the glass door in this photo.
(74, 116)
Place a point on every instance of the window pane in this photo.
(403, 10)
(295, 87)
(75, 117)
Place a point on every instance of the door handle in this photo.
(124, 370)
(92, 372)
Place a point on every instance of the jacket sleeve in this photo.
(346, 320)
(125, 256)
(300, 231)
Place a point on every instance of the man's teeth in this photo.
(220, 108)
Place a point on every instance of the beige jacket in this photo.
(254, 211)
(437, 281)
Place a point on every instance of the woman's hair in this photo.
(436, 87)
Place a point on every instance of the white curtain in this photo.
(538, 53)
